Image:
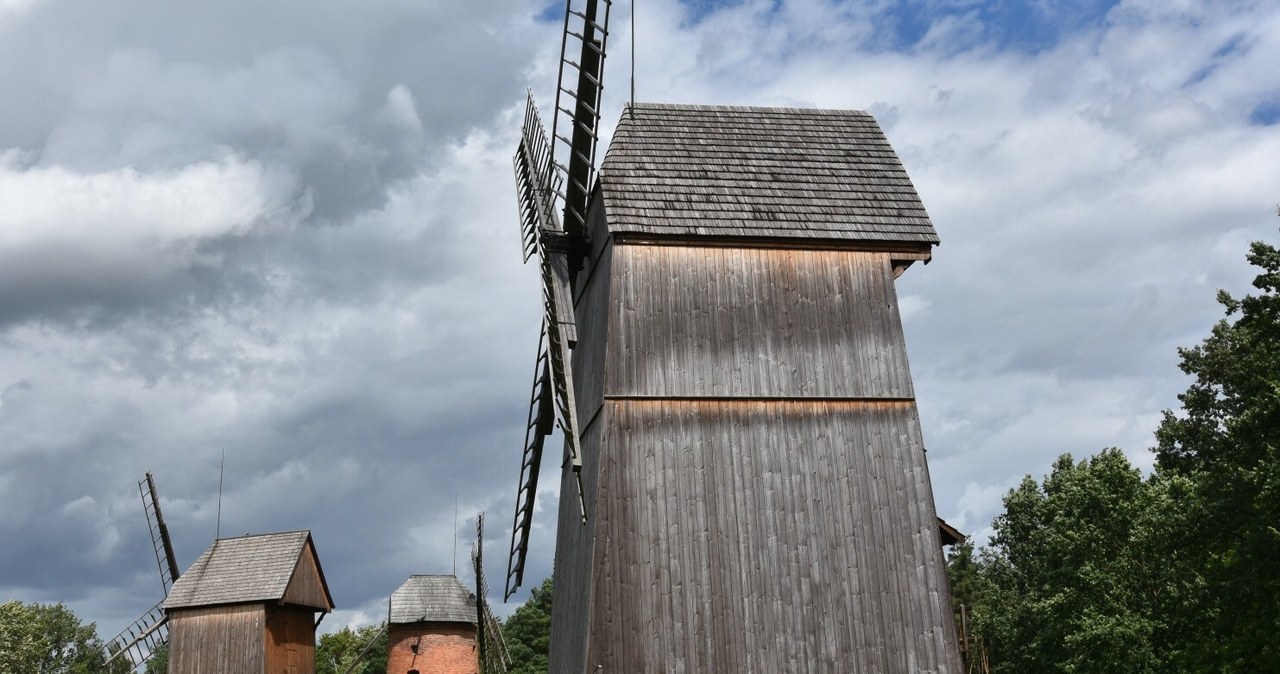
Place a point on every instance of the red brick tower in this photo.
(432, 628)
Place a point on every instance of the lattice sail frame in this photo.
(140, 640)
(560, 246)
(494, 658)
(552, 395)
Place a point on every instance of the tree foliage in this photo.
(50, 639)
(1096, 569)
(158, 663)
(337, 652)
(1065, 588)
(528, 632)
(1225, 444)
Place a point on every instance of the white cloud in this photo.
(57, 224)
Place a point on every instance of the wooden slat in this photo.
(306, 586)
(755, 323)
(217, 639)
(767, 536)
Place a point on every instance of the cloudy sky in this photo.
(287, 231)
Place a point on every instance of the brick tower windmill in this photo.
(740, 422)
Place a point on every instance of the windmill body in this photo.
(752, 470)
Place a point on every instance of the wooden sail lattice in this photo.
(494, 658)
(138, 642)
(552, 395)
(560, 246)
(577, 114)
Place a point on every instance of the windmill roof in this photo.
(433, 598)
(257, 568)
(695, 170)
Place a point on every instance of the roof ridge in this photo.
(746, 109)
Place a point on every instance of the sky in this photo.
(286, 234)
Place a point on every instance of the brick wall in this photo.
(443, 648)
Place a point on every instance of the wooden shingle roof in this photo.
(686, 170)
(261, 568)
(432, 598)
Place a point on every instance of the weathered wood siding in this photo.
(773, 536)
(217, 639)
(290, 640)
(306, 586)
(755, 322)
(575, 540)
(758, 497)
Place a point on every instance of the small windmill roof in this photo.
(433, 598)
(259, 568)
(686, 170)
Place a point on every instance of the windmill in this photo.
(140, 640)
(560, 247)
(494, 658)
(723, 350)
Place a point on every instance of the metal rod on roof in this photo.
(222, 470)
(631, 109)
(455, 535)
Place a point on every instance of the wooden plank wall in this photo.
(575, 542)
(217, 639)
(763, 500)
(767, 536)
(756, 323)
(291, 640)
(306, 587)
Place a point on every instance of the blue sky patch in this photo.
(1266, 113)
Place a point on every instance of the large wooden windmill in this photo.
(141, 639)
(728, 366)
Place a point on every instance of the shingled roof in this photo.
(686, 170)
(260, 568)
(432, 598)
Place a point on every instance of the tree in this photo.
(1225, 444)
(337, 652)
(50, 639)
(1066, 588)
(528, 632)
(158, 663)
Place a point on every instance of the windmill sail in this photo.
(494, 658)
(146, 635)
(552, 395)
(560, 248)
(578, 110)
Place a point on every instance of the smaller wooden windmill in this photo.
(247, 605)
(140, 640)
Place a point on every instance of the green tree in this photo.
(528, 632)
(338, 651)
(1067, 589)
(159, 661)
(50, 639)
(1225, 445)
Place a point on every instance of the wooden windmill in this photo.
(248, 605)
(141, 639)
(740, 421)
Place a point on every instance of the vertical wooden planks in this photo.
(781, 490)
(755, 322)
(214, 639)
